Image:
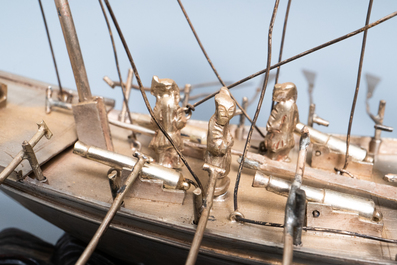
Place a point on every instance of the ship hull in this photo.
(153, 230)
(136, 240)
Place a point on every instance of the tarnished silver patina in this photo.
(172, 118)
(215, 173)
(364, 207)
(240, 130)
(296, 203)
(51, 103)
(280, 127)
(156, 224)
(313, 117)
(90, 114)
(220, 139)
(118, 200)
(172, 179)
(376, 140)
(3, 95)
(334, 143)
(27, 153)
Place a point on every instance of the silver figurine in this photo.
(172, 117)
(219, 139)
(279, 139)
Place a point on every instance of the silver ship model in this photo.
(165, 188)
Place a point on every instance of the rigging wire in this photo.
(281, 46)
(293, 58)
(200, 85)
(258, 108)
(357, 84)
(319, 229)
(199, 43)
(213, 67)
(52, 51)
(316, 229)
(127, 50)
(238, 218)
(117, 65)
(282, 40)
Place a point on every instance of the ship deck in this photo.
(77, 196)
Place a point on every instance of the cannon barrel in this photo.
(171, 178)
(337, 200)
(357, 153)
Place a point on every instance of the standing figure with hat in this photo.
(172, 117)
(219, 138)
(280, 127)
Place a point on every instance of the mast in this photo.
(74, 51)
(90, 114)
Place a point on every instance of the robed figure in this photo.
(219, 138)
(172, 117)
(280, 127)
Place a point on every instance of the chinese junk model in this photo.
(164, 188)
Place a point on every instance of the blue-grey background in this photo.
(234, 34)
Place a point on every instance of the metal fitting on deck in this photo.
(171, 178)
(340, 201)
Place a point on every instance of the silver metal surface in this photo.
(31, 157)
(300, 164)
(323, 215)
(114, 181)
(220, 139)
(327, 159)
(214, 173)
(314, 118)
(239, 132)
(376, 141)
(25, 104)
(336, 144)
(259, 162)
(132, 127)
(51, 103)
(280, 126)
(153, 190)
(68, 203)
(383, 127)
(3, 95)
(312, 109)
(162, 224)
(197, 134)
(171, 178)
(172, 117)
(92, 123)
(73, 46)
(295, 207)
(288, 249)
(112, 211)
(42, 131)
(109, 81)
(187, 90)
(198, 203)
(130, 76)
(66, 100)
(90, 115)
(342, 201)
(390, 177)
